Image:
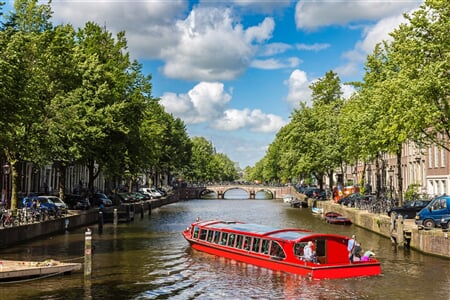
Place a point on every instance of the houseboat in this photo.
(279, 249)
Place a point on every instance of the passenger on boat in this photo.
(350, 246)
(357, 252)
(308, 253)
(367, 255)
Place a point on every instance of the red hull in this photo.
(291, 265)
(309, 269)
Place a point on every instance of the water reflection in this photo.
(149, 259)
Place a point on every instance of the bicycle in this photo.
(8, 219)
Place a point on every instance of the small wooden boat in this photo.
(288, 198)
(279, 249)
(336, 218)
(299, 203)
(17, 270)
(317, 210)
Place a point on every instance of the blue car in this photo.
(47, 206)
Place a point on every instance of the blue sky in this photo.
(234, 71)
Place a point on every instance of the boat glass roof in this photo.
(262, 229)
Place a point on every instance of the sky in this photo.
(235, 70)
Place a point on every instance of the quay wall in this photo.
(76, 219)
(433, 241)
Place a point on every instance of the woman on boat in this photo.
(367, 255)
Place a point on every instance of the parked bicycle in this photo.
(8, 219)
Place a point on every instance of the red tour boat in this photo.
(279, 249)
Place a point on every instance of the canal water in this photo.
(149, 259)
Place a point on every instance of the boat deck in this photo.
(15, 269)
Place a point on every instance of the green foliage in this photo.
(207, 165)
(403, 98)
(75, 96)
(412, 192)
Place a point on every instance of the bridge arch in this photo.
(251, 190)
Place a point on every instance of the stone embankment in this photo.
(404, 233)
(76, 219)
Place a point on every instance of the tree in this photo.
(24, 40)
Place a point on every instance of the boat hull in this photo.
(11, 269)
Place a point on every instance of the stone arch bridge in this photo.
(276, 192)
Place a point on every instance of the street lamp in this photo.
(6, 172)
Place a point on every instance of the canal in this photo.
(149, 259)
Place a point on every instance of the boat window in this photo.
(265, 246)
(203, 234)
(210, 235)
(224, 238)
(247, 243)
(239, 240)
(217, 237)
(255, 244)
(231, 240)
(195, 232)
(276, 250)
(298, 248)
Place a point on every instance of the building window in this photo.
(436, 157)
(430, 158)
(443, 161)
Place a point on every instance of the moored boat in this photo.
(317, 210)
(299, 203)
(337, 218)
(279, 249)
(23, 270)
(288, 198)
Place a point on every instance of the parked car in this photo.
(61, 205)
(311, 192)
(409, 209)
(350, 199)
(47, 206)
(322, 195)
(126, 197)
(83, 204)
(100, 198)
(76, 201)
(432, 214)
(162, 192)
(152, 192)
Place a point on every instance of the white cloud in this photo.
(274, 48)
(298, 85)
(206, 103)
(312, 14)
(313, 47)
(272, 63)
(206, 45)
(212, 47)
(255, 120)
(203, 103)
(371, 36)
(347, 90)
